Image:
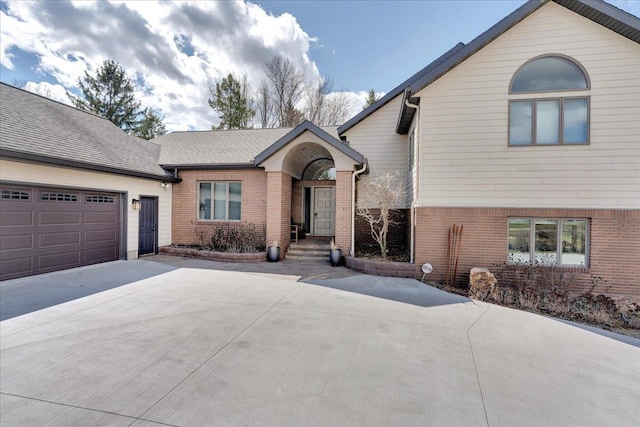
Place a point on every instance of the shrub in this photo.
(231, 237)
(241, 238)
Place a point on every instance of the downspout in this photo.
(416, 160)
(352, 250)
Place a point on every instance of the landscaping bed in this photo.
(378, 267)
(195, 252)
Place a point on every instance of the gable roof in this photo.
(597, 11)
(299, 130)
(38, 129)
(236, 148)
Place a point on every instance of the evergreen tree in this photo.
(372, 97)
(109, 94)
(150, 126)
(230, 98)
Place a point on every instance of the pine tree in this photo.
(230, 98)
(109, 94)
(372, 97)
(150, 126)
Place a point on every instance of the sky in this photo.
(171, 49)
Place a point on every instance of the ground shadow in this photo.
(613, 335)
(28, 294)
(408, 291)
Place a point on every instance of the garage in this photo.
(48, 229)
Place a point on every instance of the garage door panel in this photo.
(17, 266)
(15, 219)
(109, 235)
(16, 242)
(48, 240)
(99, 254)
(45, 230)
(59, 218)
(59, 260)
(100, 218)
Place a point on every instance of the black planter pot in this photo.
(335, 255)
(273, 254)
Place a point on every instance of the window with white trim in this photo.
(219, 200)
(556, 241)
(537, 116)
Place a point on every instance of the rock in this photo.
(482, 283)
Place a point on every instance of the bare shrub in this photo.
(378, 195)
(238, 238)
(231, 237)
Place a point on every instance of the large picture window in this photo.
(547, 119)
(549, 241)
(219, 201)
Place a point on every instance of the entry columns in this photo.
(343, 210)
(279, 210)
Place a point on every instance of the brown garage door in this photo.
(45, 229)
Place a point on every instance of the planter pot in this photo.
(335, 255)
(273, 254)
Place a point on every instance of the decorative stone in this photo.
(481, 283)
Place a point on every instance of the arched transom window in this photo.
(549, 103)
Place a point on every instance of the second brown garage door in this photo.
(45, 229)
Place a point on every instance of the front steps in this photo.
(309, 249)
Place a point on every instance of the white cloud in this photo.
(175, 47)
(48, 90)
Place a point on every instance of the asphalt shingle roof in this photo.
(220, 147)
(40, 129)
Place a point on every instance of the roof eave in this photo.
(299, 130)
(209, 166)
(47, 160)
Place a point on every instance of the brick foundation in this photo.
(614, 250)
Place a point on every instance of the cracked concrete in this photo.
(194, 346)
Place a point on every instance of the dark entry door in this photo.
(147, 226)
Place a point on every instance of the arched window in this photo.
(549, 119)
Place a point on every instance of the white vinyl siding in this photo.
(17, 172)
(464, 123)
(376, 138)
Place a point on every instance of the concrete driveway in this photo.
(201, 347)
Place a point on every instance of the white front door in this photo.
(323, 211)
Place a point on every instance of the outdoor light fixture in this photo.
(135, 204)
(164, 185)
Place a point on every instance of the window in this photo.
(555, 241)
(14, 195)
(58, 197)
(94, 198)
(547, 119)
(220, 201)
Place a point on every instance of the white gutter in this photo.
(352, 250)
(416, 161)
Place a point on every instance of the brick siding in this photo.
(399, 235)
(614, 243)
(185, 201)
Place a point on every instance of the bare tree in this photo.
(286, 86)
(378, 195)
(264, 109)
(326, 107)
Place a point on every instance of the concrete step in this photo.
(308, 252)
(324, 258)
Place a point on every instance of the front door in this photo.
(324, 211)
(147, 226)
